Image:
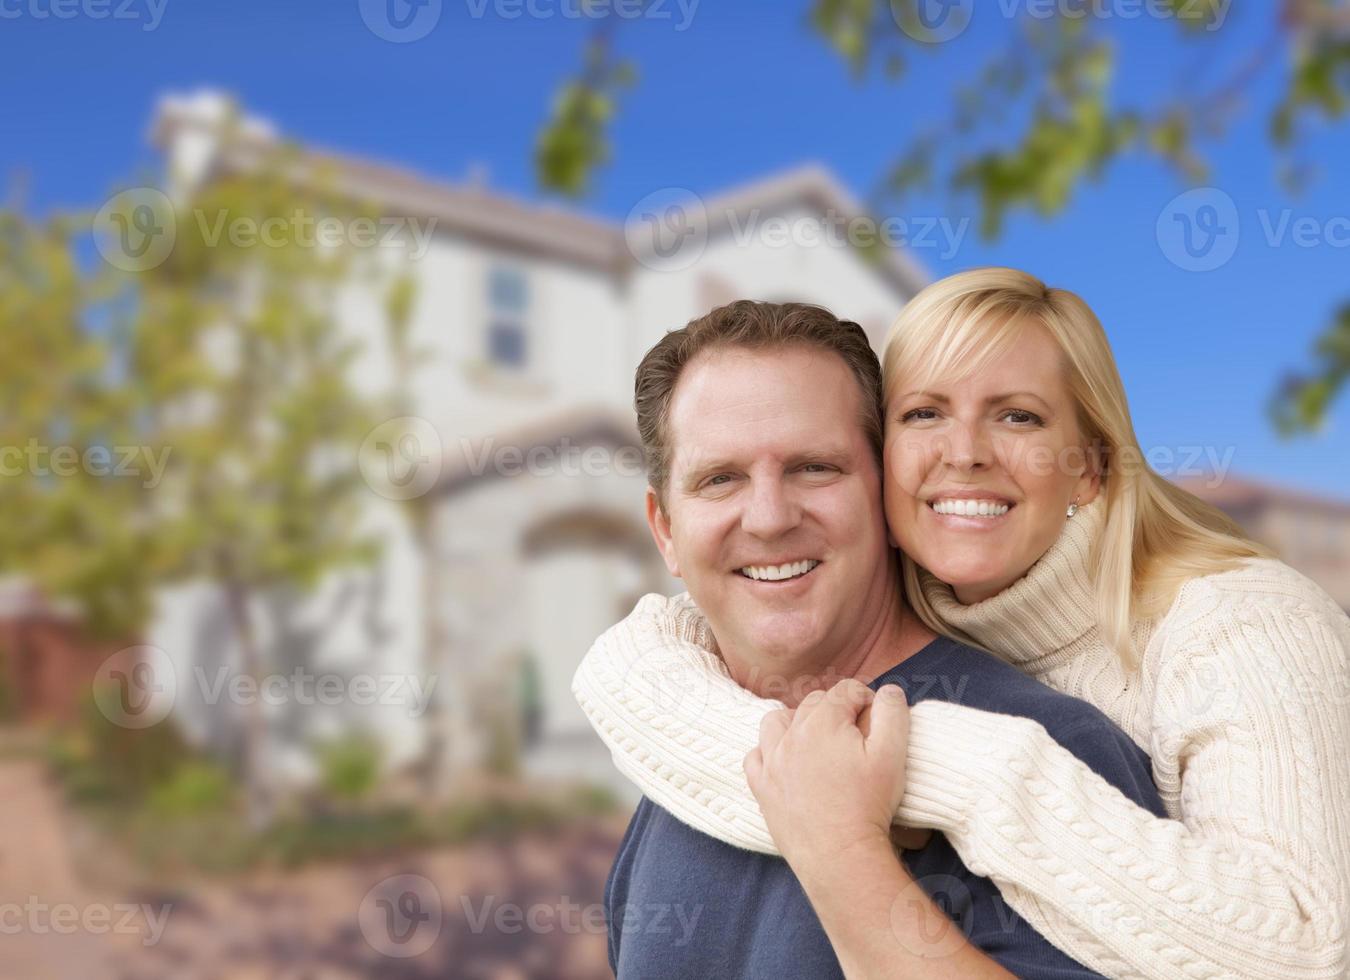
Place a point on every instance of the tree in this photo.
(75, 479)
(236, 361)
(421, 511)
(215, 366)
(1038, 118)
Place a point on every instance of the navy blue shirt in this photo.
(681, 904)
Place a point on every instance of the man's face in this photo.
(773, 512)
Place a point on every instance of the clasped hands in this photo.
(830, 774)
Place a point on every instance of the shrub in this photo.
(350, 768)
(496, 817)
(124, 763)
(345, 836)
(196, 788)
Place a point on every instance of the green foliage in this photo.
(81, 535)
(213, 842)
(852, 28)
(175, 811)
(1043, 115)
(344, 836)
(1319, 81)
(350, 768)
(194, 789)
(572, 144)
(1318, 85)
(264, 479)
(503, 744)
(195, 835)
(224, 363)
(98, 761)
(497, 818)
(237, 361)
(1072, 136)
(592, 801)
(399, 301)
(1300, 405)
(1194, 17)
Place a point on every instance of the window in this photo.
(507, 329)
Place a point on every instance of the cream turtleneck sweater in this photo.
(1242, 700)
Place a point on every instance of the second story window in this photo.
(508, 326)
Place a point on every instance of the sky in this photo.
(728, 92)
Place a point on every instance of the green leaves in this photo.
(1071, 134)
(193, 418)
(573, 143)
(242, 368)
(75, 526)
(1044, 114)
(1318, 83)
(852, 28)
(1195, 16)
(1301, 402)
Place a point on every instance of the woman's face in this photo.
(980, 473)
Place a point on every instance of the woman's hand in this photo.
(824, 783)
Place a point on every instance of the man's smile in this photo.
(782, 572)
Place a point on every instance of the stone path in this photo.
(50, 927)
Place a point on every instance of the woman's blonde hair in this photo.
(1156, 535)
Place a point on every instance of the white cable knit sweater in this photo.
(1242, 700)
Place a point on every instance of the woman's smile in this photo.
(970, 511)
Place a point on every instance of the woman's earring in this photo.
(1073, 507)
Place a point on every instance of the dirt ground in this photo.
(494, 910)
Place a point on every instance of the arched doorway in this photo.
(584, 570)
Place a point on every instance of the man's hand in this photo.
(829, 783)
(824, 784)
(902, 837)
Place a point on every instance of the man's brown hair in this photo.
(755, 326)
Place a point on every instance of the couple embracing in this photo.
(960, 687)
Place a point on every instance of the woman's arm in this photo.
(676, 723)
(1252, 884)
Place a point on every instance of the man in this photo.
(762, 424)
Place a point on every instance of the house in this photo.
(1310, 532)
(531, 320)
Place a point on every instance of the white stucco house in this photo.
(531, 320)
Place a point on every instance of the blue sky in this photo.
(744, 90)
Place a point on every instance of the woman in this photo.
(1029, 525)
